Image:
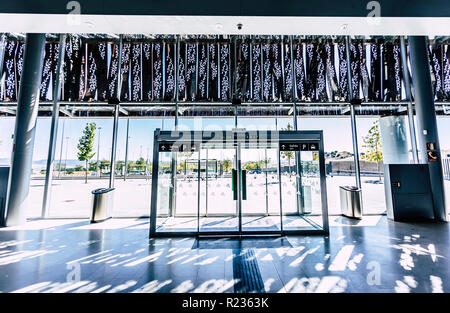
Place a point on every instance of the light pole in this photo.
(65, 162)
(125, 172)
(98, 150)
(61, 151)
(146, 164)
(140, 157)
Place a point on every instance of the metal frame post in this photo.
(239, 185)
(298, 160)
(155, 169)
(173, 177)
(235, 82)
(46, 203)
(125, 172)
(61, 150)
(352, 115)
(112, 170)
(3, 42)
(98, 152)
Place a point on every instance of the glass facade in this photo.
(193, 84)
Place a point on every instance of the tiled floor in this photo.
(372, 255)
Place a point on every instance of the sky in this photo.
(337, 133)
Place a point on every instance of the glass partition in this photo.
(72, 181)
(443, 124)
(133, 167)
(302, 189)
(338, 149)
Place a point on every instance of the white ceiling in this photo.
(132, 24)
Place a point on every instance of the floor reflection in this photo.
(368, 255)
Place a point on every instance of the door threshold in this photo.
(243, 236)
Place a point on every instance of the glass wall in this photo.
(71, 194)
(73, 180)
(6, 139)
(39, 159)
(372, 181)
(443, 123)
(339, 164)
(133, 166)
(39, 167)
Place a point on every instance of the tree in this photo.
(86, 146)
(289, 155)
(226, 165)
(105, 164)
(93, 166)
(140, 161)
(372, 143)
(186, 155)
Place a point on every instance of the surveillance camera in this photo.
(239, 26)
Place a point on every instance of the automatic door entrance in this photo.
(230, 183)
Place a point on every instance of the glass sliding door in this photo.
(260, 189)
(290, 182)
(231, 186)
(187, 181)
(177, 190)
(218, 200)
(219, 182)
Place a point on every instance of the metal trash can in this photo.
(102, 202)
(351, 201)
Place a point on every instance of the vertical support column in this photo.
(298, 177)
(239, 184)
(352, 114)
(294, 89)
(198, 191)
(116, 102)
(25, 129)
(426, 120)
(2, 51)
(125, 172)
(206, 182)
(112, 170)
(173, 175)
(177, 73)
(98, 152)
(53, 128)
(61, 149)
(267, 182)
(407, 82)
(235, 102)
(154, 198)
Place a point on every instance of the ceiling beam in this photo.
(66, 112)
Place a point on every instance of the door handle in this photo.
(233, 183)
(244, 185)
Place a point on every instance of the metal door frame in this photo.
(238, 138)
